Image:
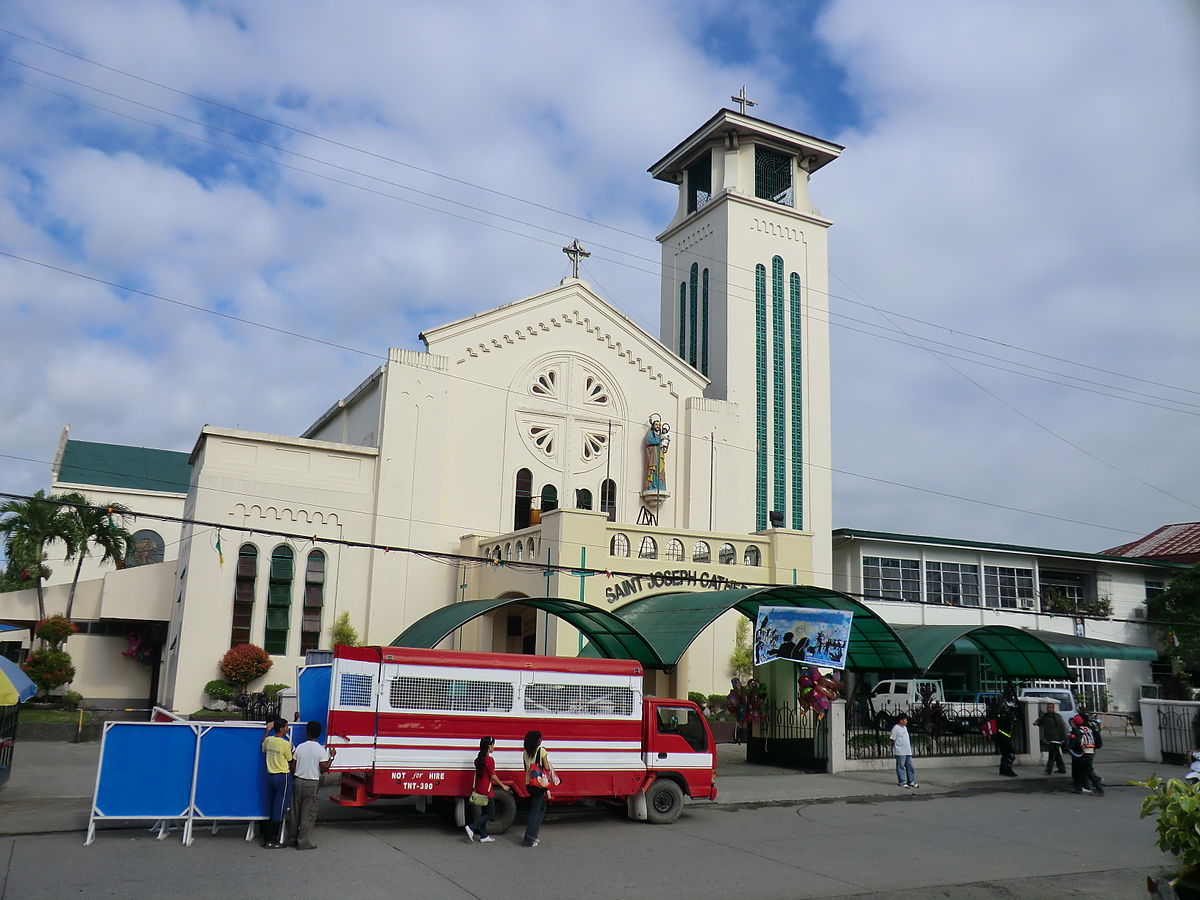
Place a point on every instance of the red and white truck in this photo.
(407, 722)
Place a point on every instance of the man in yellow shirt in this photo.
(280, 765)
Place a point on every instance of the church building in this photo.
(547, 447)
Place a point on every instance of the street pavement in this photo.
(965, 832)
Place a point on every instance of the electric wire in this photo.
(479, 209)
(534, 565)
(277, 162)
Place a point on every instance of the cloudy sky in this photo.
(1015, 264)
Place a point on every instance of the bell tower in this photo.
(745, 276)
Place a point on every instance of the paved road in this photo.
(1034, 842)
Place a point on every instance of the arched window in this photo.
(619, 545)
(674, 550)
(532, 553)
(522, 499)
(496, 553)
(701, 552)
(752, 557)
(727, 556)
(520, 550)
(146, 547)
(549, 498)
(608, 498)
(243, 595)
(508, 551)
(583, 498)
(314, 601)
(648, 549)
(279, 600)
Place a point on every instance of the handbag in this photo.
(478, 799)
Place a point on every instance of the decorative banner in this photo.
(814, 637)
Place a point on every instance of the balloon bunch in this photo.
(816, 691)
(745, 701)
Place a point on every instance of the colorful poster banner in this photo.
(813, 637)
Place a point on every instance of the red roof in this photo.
(1171, 543)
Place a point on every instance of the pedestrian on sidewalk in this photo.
(483, 797)
(1004, 741)
(538, 775)
(1054, 734)
(906, 775)
(312, 761)
(280, 764)
(1082, 745)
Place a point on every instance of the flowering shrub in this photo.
(243, 663)
(49, 669)
(55, 629)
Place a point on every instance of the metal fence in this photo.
(940, 729)
(257, 707)
(8, 736)
(785, 723)
(1178, 732)
(785, 737)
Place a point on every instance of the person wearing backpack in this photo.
(1081, 743)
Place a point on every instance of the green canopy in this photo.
(608, 633)
(672, 621)
(1011, 652)
(1084, 647)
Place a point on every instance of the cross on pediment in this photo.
(576, 253)
(742, 100)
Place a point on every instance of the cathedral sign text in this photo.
(686, 578)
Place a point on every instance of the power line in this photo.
(485, 212)
(532, 565)
(473, 185)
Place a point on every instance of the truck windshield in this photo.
(684, 722)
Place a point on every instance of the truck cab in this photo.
(679, 747)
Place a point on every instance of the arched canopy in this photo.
(1011, 652)
(672, 621)
(610, 634)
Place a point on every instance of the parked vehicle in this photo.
(407, 723)
(914, 696)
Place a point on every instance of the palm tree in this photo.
(28, 526)
(94, 524)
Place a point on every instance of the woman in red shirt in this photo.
(485, 782)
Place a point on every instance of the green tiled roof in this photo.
(115, 465)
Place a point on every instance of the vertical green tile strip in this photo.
(797, 405)
(693, 288)
(704, 323)
(779, 384)
(760, 396)
(683, 320)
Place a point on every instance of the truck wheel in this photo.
(506, 811)
(664, 802)
(883, 721)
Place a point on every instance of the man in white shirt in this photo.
(312, 761)
(906, 775)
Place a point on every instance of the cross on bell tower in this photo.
(742, 100)
(576, 253)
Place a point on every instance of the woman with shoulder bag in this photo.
(538, 775)
(483, 797)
